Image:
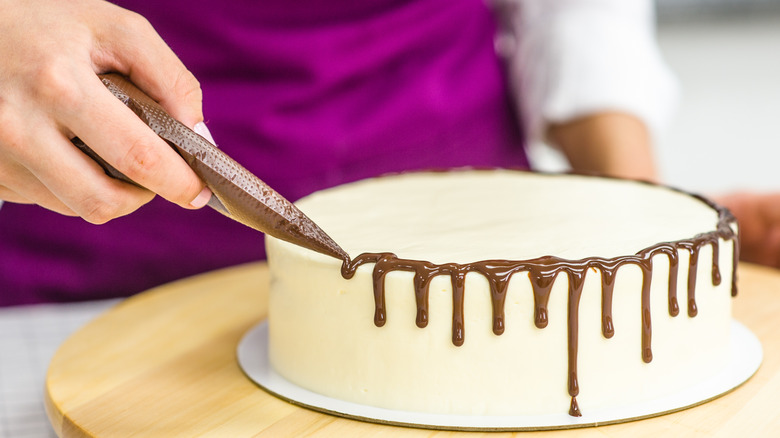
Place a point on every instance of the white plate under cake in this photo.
(502, 292)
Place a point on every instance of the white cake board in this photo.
(745, 358)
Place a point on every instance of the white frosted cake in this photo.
(498, 292)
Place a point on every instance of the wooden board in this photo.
(163, 364)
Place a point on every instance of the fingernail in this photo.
(201, 129)
(202, 199)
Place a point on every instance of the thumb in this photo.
(136, 50)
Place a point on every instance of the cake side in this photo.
(529, 336)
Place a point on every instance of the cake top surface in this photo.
(469, 215)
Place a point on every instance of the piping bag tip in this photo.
(236, 192)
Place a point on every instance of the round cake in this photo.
(503, 292)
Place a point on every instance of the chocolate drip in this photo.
(542, 272)
(734, 262)
(647, 322)
(422, 282)
(716, 279)
(498, 289)
(542, 282)
(674, 263)
(607, 326)
(381, 265)
(576, 282)
(607, 289)
(574, 408)
(458, 293)
(693, 267)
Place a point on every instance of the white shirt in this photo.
(571, 58)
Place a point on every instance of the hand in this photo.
(758, 216)
(50, 93)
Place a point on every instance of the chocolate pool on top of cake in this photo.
(501, 292)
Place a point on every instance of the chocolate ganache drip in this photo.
(542, 272)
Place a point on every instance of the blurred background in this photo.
(725, 134)
(726, 55)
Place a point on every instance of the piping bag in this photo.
(236, 192)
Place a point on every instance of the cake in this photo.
(504, 292)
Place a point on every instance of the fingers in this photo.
(47, 177)
(767, 236)
(17, 183)
(758, 215)
(11, 196)
(136, 50)
(115, 133)
(49, 92)
(25, 188)
(28, 184)
(769, 205)
(202, 130)
(770, 251)
(33, 192)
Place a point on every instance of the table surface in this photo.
(163, 363)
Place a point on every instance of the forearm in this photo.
(614, 144)
(569, 60)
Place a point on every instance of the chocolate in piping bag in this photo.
(237, 193)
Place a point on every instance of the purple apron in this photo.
(306, 95)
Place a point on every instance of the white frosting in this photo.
(323, 337)
(482, 215)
